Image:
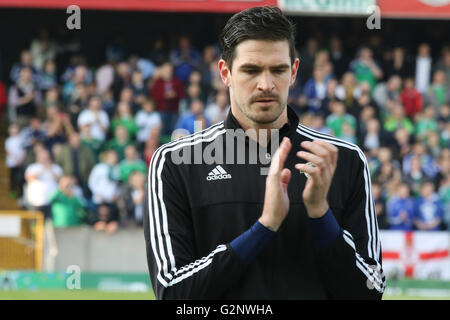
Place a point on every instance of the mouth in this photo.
(265, 101)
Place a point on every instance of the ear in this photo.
(225, 72)
(294, 71)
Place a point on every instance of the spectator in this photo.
(24, 98)
(130, 164)
(124, 117)
(372, 139)
(132, 203)
(437, 93)
(348, 90)
(400, 209)
(444, 194)
(194, 120)
(149, 122)
(138, 89)
(411, 99)
(428, 165)
(398, 120)
(105, 192)
(402, 144)
(15, 156)
(42, 49)
(423, 64)
(57, 126)
(26, 61)
(365, 68)
(308, 54)
(95, 145)
(429, 211)
(184, 59)
(338, 57)
(389, 90)
(42, 181)
(67, 207)
(76, 160)
(47, 78)
(104, 77)
(315, 89)
(119, 142)
(32, 133)
(96, 118)
(79, 78)
(167, 91)
(426, 122)
(209, 55)
(443, 64)
(416, 176)
(122, 79)
(218, 110)
(399, 64)
(338, 117)
(380, 206)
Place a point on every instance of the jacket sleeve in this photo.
(177, 271)
(351, 267)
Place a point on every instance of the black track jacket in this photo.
(196, 210)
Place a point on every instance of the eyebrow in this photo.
(255, 66)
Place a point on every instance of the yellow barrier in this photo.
(21, 240)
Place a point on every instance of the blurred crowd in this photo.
(80, 138)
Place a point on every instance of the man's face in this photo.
(260, 79)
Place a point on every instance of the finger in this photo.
(318, 161)
(313, 172)
(315, 148)
(280, 156)
(333, 149)
(285, 176)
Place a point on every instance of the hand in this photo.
(276, 200)
(324, 156)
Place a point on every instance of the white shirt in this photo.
(87, 117)
(41, 189)
(103, 188)
(423, 71)
(15, 153)
(146, 122)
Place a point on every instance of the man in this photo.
(227, 231)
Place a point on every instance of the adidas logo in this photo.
(218, 173)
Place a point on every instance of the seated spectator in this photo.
(167, 91)
(339, 116)
(429, 211)
(122, 79)
(315, 90)
(218, 110)
(131, 163)
(42, 181)
(185, 58)
(193, 92)
(348, 91)
(57, 126)
(24, 98)
(402, 145)
(26, 61)
(131, 203)
(15, 156)
(119, 142)
(411, 99)
(124, 117)
(33, 133)
(416, 176)
(108, 103)
(437, 93)
(372, 138)
(139, 89)
(380, 206)
(318, 123)
(96, 118)
(67, 207)
(148, 120)
(398, 120)
(194, 120)
(47, 78)
(78, 102)
(400, 209)
(426, 122)
(95, 145)
(389, 90)
(428, 165)
(105, 191)
(365, 68)
(76, 160)
(348, 133)
(444, 195)
(433, 144)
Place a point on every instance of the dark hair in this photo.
(257, 23)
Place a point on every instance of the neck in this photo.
(260, 131)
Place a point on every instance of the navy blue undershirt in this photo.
(248, 245)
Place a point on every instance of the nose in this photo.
(265, 82)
